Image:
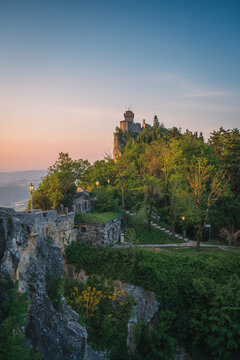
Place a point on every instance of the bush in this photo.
(107, 200)
(201, 290)
(13, 319)
(157, 344)
(54, 284)
(105, 311)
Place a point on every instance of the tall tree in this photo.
(65, 163)
(207, 186)
(156, 122)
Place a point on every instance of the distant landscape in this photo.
(14, 190)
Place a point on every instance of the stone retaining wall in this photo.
(99, 233)
(56, 228)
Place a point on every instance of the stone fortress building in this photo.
(126, 126)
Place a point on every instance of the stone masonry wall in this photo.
(99, 233)
(58, 229)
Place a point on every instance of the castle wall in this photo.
(127, 126)
(57, 229)
(99, 233)
(124, 125)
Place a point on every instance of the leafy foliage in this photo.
(157, 344)
(105, 310)
(58, 186)
(200, 292)
(54, 284)
(13, 319)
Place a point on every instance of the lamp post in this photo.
(184, 231)
(31, 188)
(208, 226)
(108, 182)
(97, 184)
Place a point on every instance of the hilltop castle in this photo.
(126, 126)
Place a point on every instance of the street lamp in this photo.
(184, 231)
(97, 184)
(108, 182)
(31, 188)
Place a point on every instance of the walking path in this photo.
(187, 244)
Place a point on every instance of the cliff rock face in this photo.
(28, 254)
(145, 308)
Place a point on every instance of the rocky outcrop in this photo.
(31, 252)
(145, 308)
(181, 354)
(28, 254)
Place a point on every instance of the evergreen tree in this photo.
(156, 122)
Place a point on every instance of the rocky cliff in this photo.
(31, 252)
(29, 255)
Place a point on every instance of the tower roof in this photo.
(129, 115)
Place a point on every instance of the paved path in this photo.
(186, 245)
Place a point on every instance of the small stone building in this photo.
(99, 233)
(82, 200)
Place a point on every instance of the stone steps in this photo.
(166, 231)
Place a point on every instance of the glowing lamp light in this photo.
(183, 218)
(97, 182)
(108, 181)
(31, 188)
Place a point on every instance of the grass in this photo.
(190, 250)
(97, 217)
(154, 237)
(143, 236)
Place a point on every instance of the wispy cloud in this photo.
(207, 94)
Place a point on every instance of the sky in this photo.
(69, 69)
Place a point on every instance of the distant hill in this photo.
(14, 190)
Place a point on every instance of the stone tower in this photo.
(126, 126)
(129, 116)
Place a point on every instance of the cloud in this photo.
(207, 94)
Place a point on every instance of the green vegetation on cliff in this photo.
(13, 319)
(187, 181)
(198, 292)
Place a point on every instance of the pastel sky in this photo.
(69, 69)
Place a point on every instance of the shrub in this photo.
(13, 319)
(54, 284)
(201, 290)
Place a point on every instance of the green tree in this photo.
(64, 163)
(101, 170)
(55, 189)
(13, 319)
(207, 185)
(156, 122)
(58, 186)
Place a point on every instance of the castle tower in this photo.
(129, 116)
(127, 124)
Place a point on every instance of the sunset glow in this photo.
(69, 70)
